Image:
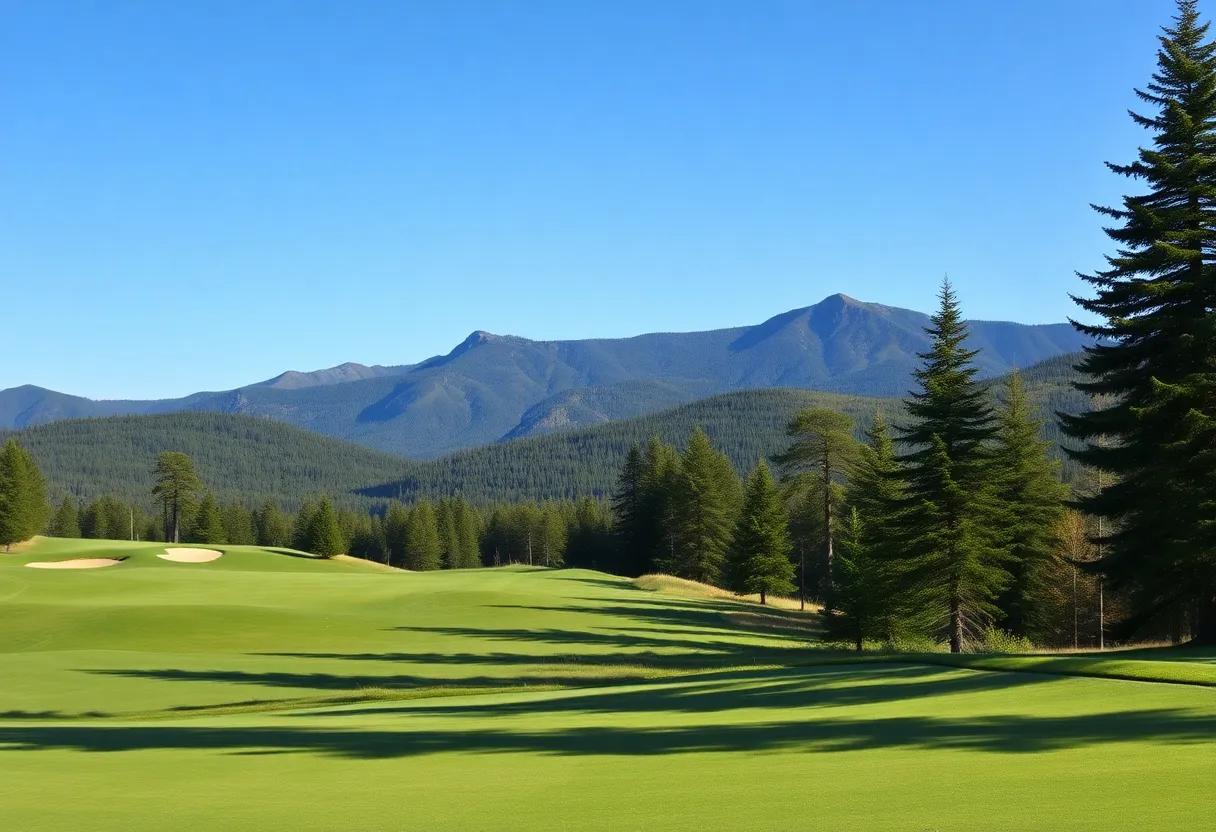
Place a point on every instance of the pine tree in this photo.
(273, 525)
(324, 534)
(946, 526)
(23, 505)
(208, 525)
(1155, 367)
(238, 525)
(706, 502)
(301, 527)
(629, 515)
(468, 534)
(176, 485)
(759, 554)
(449, 539)
(872, 599)
(66, 522)
(422, 548)
(662, 470)
(396, 519)
(822, 450)
(551, 536)
(1032, 499)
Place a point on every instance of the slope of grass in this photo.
(269, 691)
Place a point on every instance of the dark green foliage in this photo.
(705, 503)
(873, 598)
(208, 525)
(301, 527)
(812, 467)
(759, 554)
(1029, 487)
(174, 489)
(468, 535)
(422, 549)
(1153, 430)
(23, 505)
(590, 541)
(66, 522)
(273, 526)
(238, 525)
(324, 536)
(629, 515)
(949, 526)
(396, 523)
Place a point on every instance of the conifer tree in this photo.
(759, 554)
(551, 536)
(1154, 368)
(629, 515)
(662, 470)
(1032, 501)
(422, 547)
(706, 502)
(301, 527)
(948, 523)
(822, 450)
(208, 525)
(238, 525)
(396, 519)
(273, 525)
(23, 505)
(66, 522)
(468, 534)
(324, 534)
(872, 598)
(176, 484)
(449, 540)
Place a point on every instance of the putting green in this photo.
(602, 707)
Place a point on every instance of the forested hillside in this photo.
(246, 459)
(238, 457)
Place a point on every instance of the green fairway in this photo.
(328, 694)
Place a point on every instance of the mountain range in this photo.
(492, 387)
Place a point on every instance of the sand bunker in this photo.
(191, 555)
(78, 563)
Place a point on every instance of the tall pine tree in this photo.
(629, 514)
(66, 522)
(1033, 501)
(23, 506)
(423, 551)
(947, 525)
(1155, 367)
(324, 535)
(759, 554)
(208, 525)
(706, 502)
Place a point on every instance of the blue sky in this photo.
(198, 195)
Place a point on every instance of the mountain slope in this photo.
(492, 387)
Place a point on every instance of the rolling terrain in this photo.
(492, 387)
(268, 691)
(249, 459)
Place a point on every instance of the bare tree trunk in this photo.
(827, 528)
(1074, 608)
(763, 597)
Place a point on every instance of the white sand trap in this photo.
(191, 555)
(78, 563)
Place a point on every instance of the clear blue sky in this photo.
(198, 195)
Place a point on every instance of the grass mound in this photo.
(694, 589)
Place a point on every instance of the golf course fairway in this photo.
(265, 690)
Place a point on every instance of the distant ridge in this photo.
(493, 387)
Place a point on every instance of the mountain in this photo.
(250, 459)
(491, 387)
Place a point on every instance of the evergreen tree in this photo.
(273, 525)
(396, 520)
(629, 515)
(872, 599)
(759, 555)
(301, 529)
(592, 542)
(662, 469)
(66, 522)
(1033, 501)
(422, 548)
(238, 525)
(1154, 368)
(468, 534)
(822, 450)
(176, 485)
(324, 534)
(23, 505)
(208, 525)
(449, 539)
(949, 525)
(551, 536)
(706, 503)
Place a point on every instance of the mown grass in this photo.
(268, 691)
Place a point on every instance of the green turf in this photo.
(319, 695)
